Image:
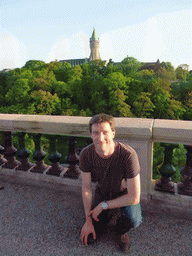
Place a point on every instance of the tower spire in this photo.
(94, 45)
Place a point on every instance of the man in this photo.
(116, 205)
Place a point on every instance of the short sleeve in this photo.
(85, 159)
(131, 164)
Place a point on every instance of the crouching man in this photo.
(115, 207)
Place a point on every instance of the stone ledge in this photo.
(134, 128)
(41, 177)
(172, 131)
(160, 203)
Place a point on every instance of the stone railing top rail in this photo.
(172, 131)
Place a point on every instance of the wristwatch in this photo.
(105, 205)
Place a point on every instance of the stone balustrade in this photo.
(137, 132)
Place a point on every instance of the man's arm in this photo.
(86, 192)
(88, 227)
(133, 197)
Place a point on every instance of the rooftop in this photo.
(94, 36)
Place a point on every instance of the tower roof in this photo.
(94, 36)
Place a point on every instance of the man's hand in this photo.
(87, 229)
(96, 211)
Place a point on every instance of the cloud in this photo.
(12, 52)
(154, 44)
(167, 37)
(74, 47)
(60, 50)
(106, 47)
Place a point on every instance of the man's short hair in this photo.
(101, 118)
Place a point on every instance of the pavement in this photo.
(38, 217)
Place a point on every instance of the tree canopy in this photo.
(122, 89)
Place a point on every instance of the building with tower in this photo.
(95, 55)
(94, 52)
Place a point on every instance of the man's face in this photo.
(102, 136)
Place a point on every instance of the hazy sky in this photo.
(60, 29)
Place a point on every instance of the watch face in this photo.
(104, 205)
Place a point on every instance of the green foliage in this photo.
(44, 103)
(168, 71)
(19, 92)
(117, 106)
(178, 160)
(158, 157)
(143, 107)
(181, 73)
(121, 89)
(129, 66)
(34, 64)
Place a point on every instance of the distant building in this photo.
(156, 66)
(94, 55)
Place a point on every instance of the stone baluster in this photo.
(54, 157)
(38, 156)
(185, 187)
(72, 159)
(2, 159)
(167, 170)
(9, 152)
(23, 154)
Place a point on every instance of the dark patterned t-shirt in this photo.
(110, 172)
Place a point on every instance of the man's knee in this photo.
(134, 214)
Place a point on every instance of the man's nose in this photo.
(101, 137)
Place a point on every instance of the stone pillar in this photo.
(39, 155)
(23, 154)
(9, 152)
(185, 187)
(167, 170)
(72, 159)
(54, 157)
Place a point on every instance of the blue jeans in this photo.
(133, 213)
(119, 220)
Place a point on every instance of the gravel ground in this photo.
(41, 218)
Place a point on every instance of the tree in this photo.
(143, 107)
(129, 65)
(116, 80)
(19, 93)
(117, 106)
(167, 71)
(181, 73)
(63, 71)
(44, 103)
(62, 90)
(35, 64)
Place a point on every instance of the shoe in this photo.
(124, 242)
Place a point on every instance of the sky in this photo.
(60, 29)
